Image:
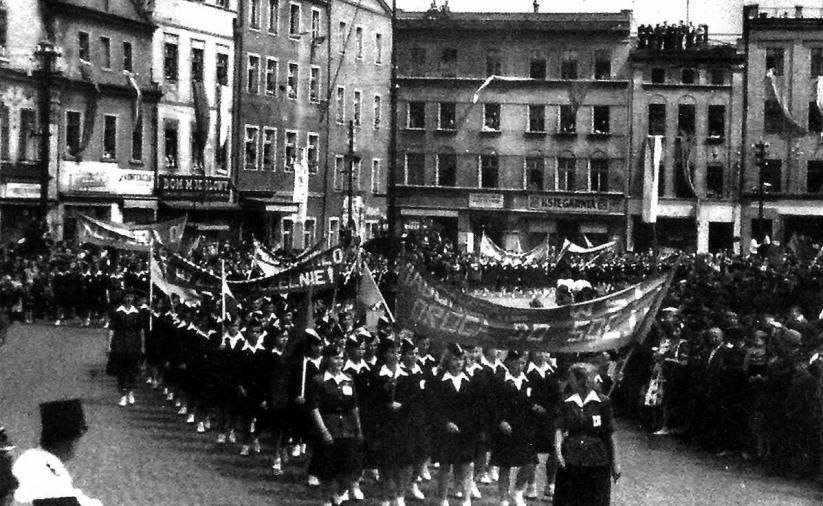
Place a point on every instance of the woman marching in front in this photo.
(126, 345)
(585, 447)
(333, 406)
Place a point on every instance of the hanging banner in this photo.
(158, 277)
(435, 310)
(130, 236)
(491, 250)
(651, 177)
(580, 250)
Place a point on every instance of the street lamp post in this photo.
(47, 53)
(760, 162)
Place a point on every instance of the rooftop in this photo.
(618, 22)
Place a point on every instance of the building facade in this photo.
(193, 61)
(513, 125)
(692, 98)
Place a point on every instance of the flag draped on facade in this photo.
(651, 177)
(138, 99)
(775, 90)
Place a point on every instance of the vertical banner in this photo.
(301, 185)
(651, 177)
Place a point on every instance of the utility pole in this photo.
(47, 54)
(391, 195)
(351, 225)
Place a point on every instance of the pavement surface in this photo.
(146, 455)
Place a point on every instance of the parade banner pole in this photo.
(223, 291)
(151, 284)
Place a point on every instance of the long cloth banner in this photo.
(491, 250)
(433, 309)
(130, 236)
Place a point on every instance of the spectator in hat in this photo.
(126, 346)
(41, 471)
(7, 480)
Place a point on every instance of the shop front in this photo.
(206, 200)
(19, 209)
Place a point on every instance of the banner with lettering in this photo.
(433, 309)
(131, 236)
(491, 250)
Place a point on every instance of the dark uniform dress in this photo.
(545, 393)
(588, 425)
(385, 440)
(336, 399)
(513, 405)
(455, 400)
(411, 392)
(126, 344)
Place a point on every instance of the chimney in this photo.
(536, 6)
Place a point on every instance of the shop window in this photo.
(447, 116)
(308, 233)
(294, 20)
(253, 74)
(290, 152)
(274, 16)
(128, 58)
(313, 152)
(222, 67)
(686, 119)
(415, 168)
(599, 174)
(74, 131)
(356, 108)
(717, 121)
(291, 82)
(815, 118)
(565, 174)
(491, 117)
(535, 169)
(448, 61)
(269, 148)
(537, 118)
(493, 64)
(105, 50)
(376, 177)
(271, 76)
(814, 176)
(568, 65)
(287, 233)
(489, 171)
(358, 42)
(657, 119)
(774, 60)
(377, 114)
(447, 169)
(600, 119)
(417, 116)
(717, 76)
(658, 76)
(602, 64)
(772, 117)
(170, 57)
(251, 148)
(137, 141)
(314, 84)
(688, 76)
(771, 174)
(714, 181)
(109, 137)
(537, 67)
(568, 120)
(816, 62)
(341, 105)
(170, 143)
(83, 49)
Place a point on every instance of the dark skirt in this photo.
(341, 459)
(515, 450)
(123, 364)
(460, 448)
(583, 486)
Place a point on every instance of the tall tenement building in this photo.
(515, 125)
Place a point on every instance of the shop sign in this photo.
(22, 191)
(486, 200)
(576, 204)
(194, 186)
(99, 177)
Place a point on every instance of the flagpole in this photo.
(222, 291)
(151, 282)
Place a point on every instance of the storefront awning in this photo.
(192, 205)
(274, 205)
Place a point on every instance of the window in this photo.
(602, 64)
(535, 167)
(565, 174)
(447, 115)
(568, 120)
(417, 116)
(74, 131)
(358, 42)
(315, 25)
(128, 63)
(313, 153)
(4, 132)
(714, 181)
(27, 145)
(109, 137)
(253, 74)
(342, 35)
(341, 105)
(290, 156)
(599, 173)
(334, 232)
(287, 233)
(771, 173)
(657, 119)
(356, 108)
(493, 62)
(357, 175)
(537, 118)
(815, 118)
(339, 172)
(717, 76)
(376, 177)
(489, 171)
(686, 119)
(774, 60)
(294, 20)
(83, 50)
(816, 62)
(415, 168)
(291, 83)
(688, 76)
(308, 233)
(222, 66)
(170, 57)
(600, 119)
(448, 61)
(537, 67)
(378, 48)
(254, 14)
(274, 16)
(195, 151)
(314, 84)
(372, 229)
(658, 76)
(378, 112)
(418, 57)
(105, 49)
(491, 117)
(269, 148)
(568, 65)
(814, 176)
(772, 117)
(447, 169)
(137, 140)
(251, 148)
(170, 143)
(717, 121)
(197, 61)
(271, 76)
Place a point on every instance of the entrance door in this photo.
(720, 236)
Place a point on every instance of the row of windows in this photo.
(171, 60)
(344, 34)
(772, 174)
(287, 233)
(594, 176)
(570, 66)
(370, 230)
(687, 120)
(270, 81)
(260, 149)
(535, 120)
(105, 52)
(171, 148)
(688, 75)
(28, 149)
(341, 176)
(74, 136)
(357, 108)
(774, 119)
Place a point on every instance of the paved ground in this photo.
(145, 456)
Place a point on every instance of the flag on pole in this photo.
(651, 177)
(229, 302)
(158, 278)
(370, 302)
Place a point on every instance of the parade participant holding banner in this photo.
(585, 446)
(126, 345)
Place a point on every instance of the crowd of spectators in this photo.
(666, 37)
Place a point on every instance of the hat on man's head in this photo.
(455, 349)
(62, 420)
(407, 345)
(512, 355)
(312, 337)
(353, 342)
(386, 344)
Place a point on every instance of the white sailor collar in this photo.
(471, 369)
(131, 310)
(357, 367)
(592, 397)
(385, 371)
(315, 361)
(414, 370)
(254, 349)
(426, 359)
(372, 361)
(234, 339)
(457, 381)
(541, 370)
(518, 381)
(338, 378)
